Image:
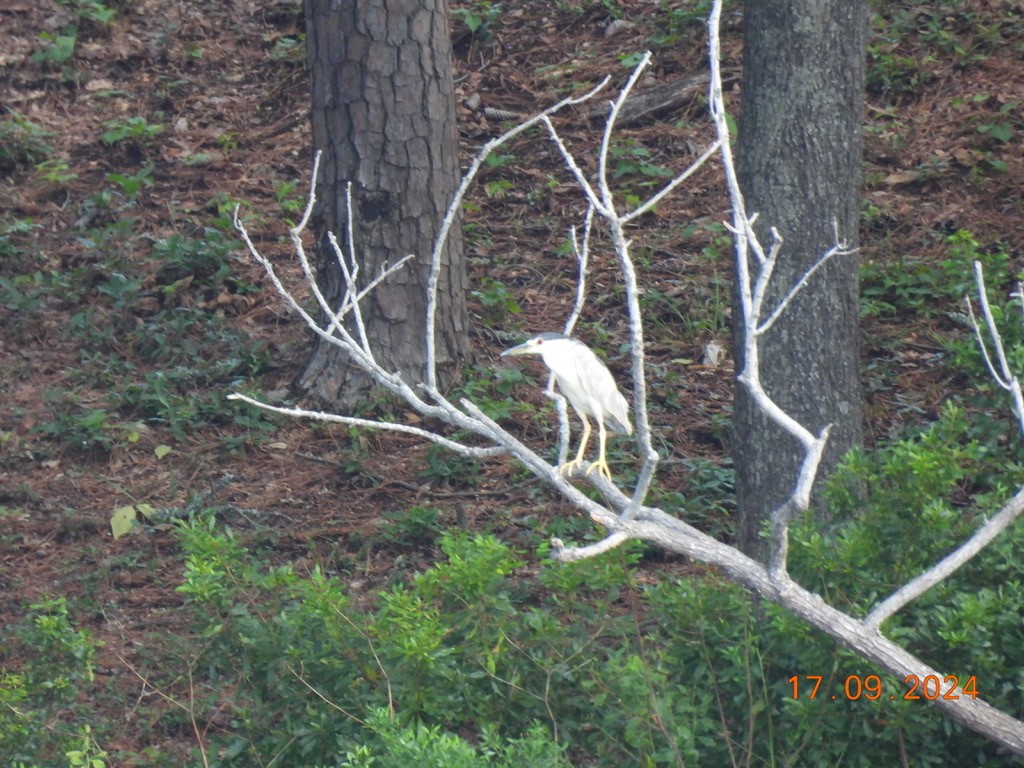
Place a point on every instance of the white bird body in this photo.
(589, 387)
(590, 382)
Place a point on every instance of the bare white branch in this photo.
(607, 198)
(386, 426)
(436, 259)
(1005, 376)
(570, 554)
(351, 290)
(950, 563)
(836, 250)
(669, 188)
(581, 250)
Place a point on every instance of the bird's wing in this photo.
(599, 384)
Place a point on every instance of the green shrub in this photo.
(684, 671)
(459, 647)
(45, 664)
(393, 746)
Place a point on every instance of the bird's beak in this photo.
(522, 349)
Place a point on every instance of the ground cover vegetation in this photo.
(280, 594)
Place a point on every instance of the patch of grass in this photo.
(151, 335)
(81, 429)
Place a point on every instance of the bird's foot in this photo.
(602, 469)
(569, 468)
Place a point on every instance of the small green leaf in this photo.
(121, 521)
(162, 450)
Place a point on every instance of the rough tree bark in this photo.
(798, 163)
(383, 112)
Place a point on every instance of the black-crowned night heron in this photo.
(588, 386)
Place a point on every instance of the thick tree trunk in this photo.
(798, 162)
(383, 112)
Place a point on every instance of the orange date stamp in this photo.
(870, 687)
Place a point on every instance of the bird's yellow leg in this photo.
(602, 462)
(571, 466)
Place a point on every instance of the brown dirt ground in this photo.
(234, 98)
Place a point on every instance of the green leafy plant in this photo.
(289, 48)
(23, 294)
(1001, 132)
(88, 754)
(131, 185)
(290, 202)
(891, 73)
(55, 170)
(206, 259)
(136, 130)
(480, 18)
(631, 60)
(79, 428)
(450, 469)
(94, 11)
(473, 645)
(497, 300)
(493, 390)
(22, 142)
(449, 648)
(633, 164)
(227, 141)
(389, 743)
(411, 527)
(498, 188)
(181, 398)
(927, 288)
(57, 47)
(121, 291)
(45, 665)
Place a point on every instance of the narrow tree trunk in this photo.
(798, 161)
(383, 112)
